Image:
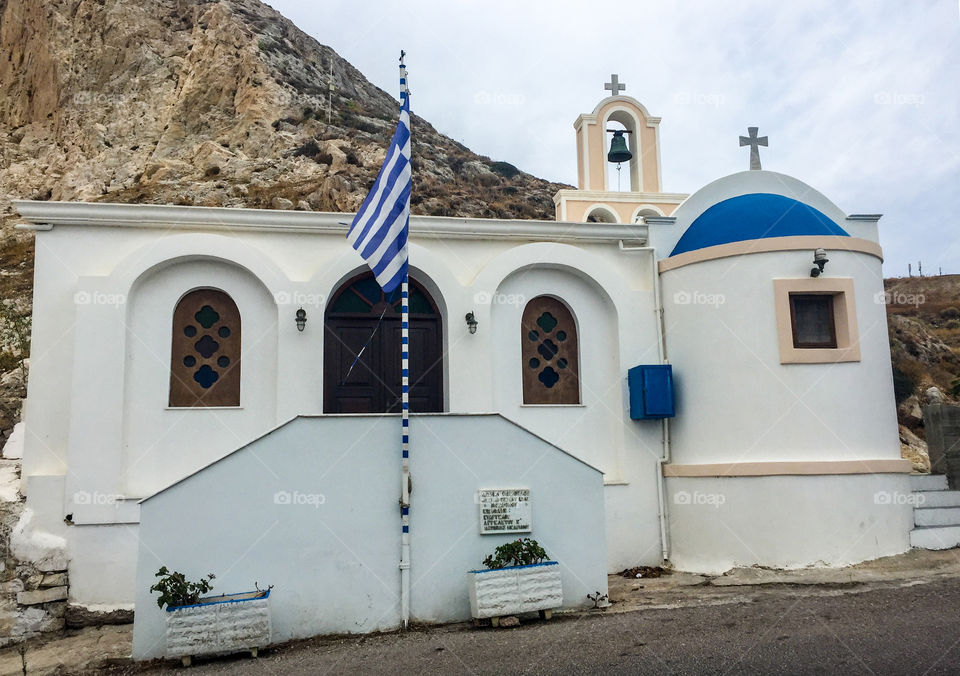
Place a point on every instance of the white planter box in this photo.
(219, 624)
(517, 589)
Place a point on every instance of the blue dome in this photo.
(755, 216)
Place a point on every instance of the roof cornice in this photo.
(45, 215)
(611, 196)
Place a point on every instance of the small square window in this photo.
(812, 321)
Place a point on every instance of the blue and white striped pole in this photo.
(404, 415)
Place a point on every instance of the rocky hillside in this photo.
(204, 102)
(923, 319)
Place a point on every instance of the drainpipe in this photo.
(665, 422)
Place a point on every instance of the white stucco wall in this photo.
(717, 523)
(333, 557)
(736, 402)
(105, 288)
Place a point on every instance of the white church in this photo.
(701, 379)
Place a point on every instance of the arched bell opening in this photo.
(628, 143)
(619, 156)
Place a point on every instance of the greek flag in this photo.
(379, 230)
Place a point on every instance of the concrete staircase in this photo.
(936, 513)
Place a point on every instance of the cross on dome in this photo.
(754, 142)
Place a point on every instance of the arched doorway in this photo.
(371, 384)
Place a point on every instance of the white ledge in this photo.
(619, 196)
(43, 216)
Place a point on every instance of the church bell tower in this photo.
(618, 131)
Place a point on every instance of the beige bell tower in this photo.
(595, 198)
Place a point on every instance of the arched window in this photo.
(205, 357)
(551, 363)
(601, 214)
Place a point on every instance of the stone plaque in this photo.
(504, 510)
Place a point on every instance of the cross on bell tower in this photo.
(754, 142)
(614, 86)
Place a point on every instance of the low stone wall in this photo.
(33, 597)
(942, 425)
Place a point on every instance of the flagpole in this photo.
(404, 415)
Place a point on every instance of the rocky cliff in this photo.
(923, 321)
(204, 102)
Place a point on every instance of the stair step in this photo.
(935, 537)
(936, 516)
(928, 482)
(937, 498)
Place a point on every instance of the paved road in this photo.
(910, 628)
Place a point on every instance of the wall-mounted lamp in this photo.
(301, 319)
(820, 261)
(471, 322)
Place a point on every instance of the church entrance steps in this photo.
(928, 482)
(936, 513)
(935, 537)
(936, 516)
(927, 499)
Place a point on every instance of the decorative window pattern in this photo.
(205, 358)
(551, 364)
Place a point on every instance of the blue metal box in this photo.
(651, 391)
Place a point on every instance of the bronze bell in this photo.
(619, 152)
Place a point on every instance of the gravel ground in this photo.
(905, 627)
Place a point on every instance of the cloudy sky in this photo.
(860, 99)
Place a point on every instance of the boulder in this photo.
(82, 616)
(14, 446)
(38, 596)
(54, 580)
(910, 413)
(914, 449)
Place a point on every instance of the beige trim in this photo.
(769, 244)
(844, 320)
(800, 468)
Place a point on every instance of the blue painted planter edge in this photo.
(214, 600)
(529, 565)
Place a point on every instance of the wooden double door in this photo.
(361, 361)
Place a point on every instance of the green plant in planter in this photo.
(520, 552)
(176, 590)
